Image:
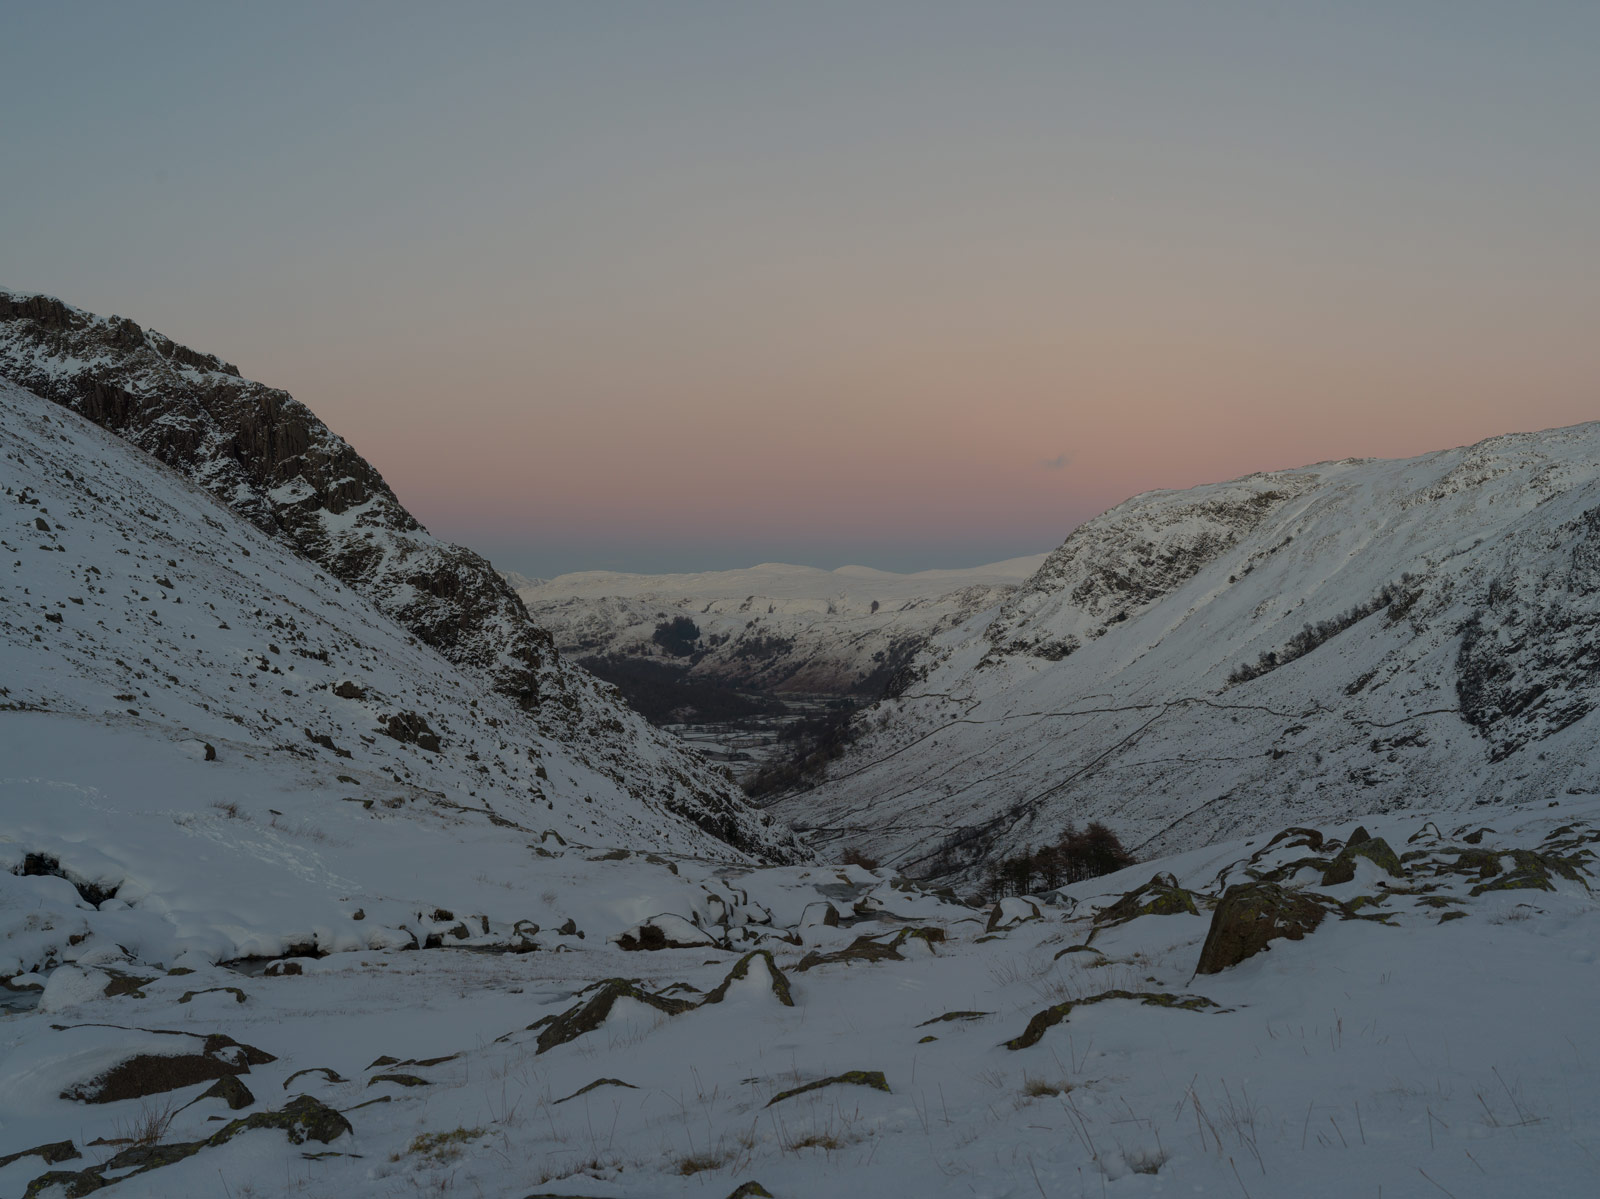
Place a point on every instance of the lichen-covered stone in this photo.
(302, 1119)
(592, 1012)
(857, 1078)
(1010, 912)
(1161, 896)
(1532, 871)
(56, 1151)
(862, 949)
(231, 1091)
(1374, 849)
(1047, 1019)
(1248, 916)
(599, 1082)
(741, 970)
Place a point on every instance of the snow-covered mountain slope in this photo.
(143, 624)
(267, 457)
(774, 627)
(820, 1031)
(1313, 644)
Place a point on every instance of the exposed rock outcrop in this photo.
(267, 456)
(1251, 914)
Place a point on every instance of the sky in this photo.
(693, 286)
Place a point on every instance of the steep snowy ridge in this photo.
(1310, 644)
(141, 620)
(774, 627)
(267, 457)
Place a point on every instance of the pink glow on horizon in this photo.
(702, 275)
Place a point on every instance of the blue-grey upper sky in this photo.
(695, 285)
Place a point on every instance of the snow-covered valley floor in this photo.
(1421, 1040)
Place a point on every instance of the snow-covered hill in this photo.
(145, 629)
(269, 459)
(1348, 638)
(774, 628)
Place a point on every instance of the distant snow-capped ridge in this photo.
(274, 464)
(1303, 645)
(773, 627)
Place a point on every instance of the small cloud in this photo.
(1056, 463)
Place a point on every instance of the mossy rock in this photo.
(862, 949)
(1308, 838)
(1438, 901)
(1374, 849)
(855, 1078)
(750, 1190)
(1010, 912)
(1452, 916)
(1248, 916)
(589, 1015)
(431, 1061)
(1047, 1019)
(599, 1082)
(1532, 871)
(926, 1039)
(1423, 832)
(302, 1119)
(402, 1080)
(741, 971)
(1485, 863)
(1161, 896)
(1354, 909)
(1286, 871)
(929, 935)
(52, 1154)
(231, 1091)
(121, 983)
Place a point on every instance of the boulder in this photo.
(1010, 912)
(155, 1074)
(1374, 849)
(1161, 896)
(777, 981)
(665, 931)
(1251, 914)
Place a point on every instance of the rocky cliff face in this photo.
(270, 459)
(1328, 642)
